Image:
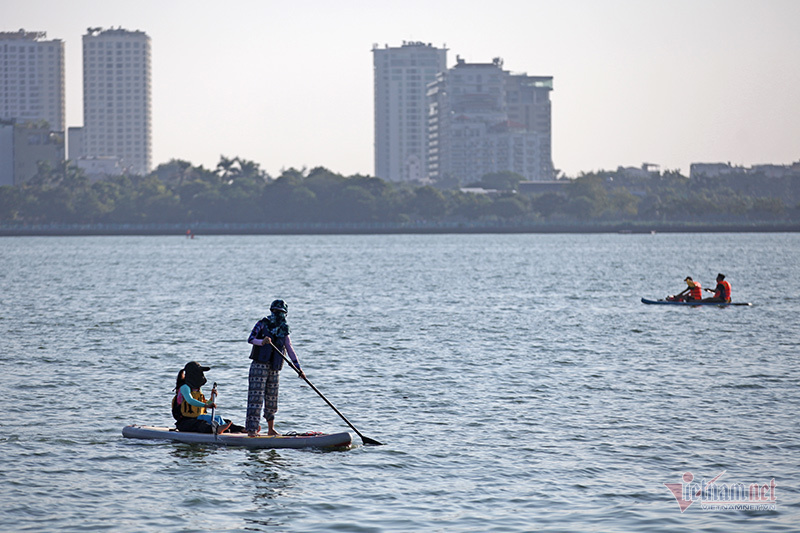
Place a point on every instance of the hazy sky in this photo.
(289, 84)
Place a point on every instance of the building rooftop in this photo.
(93, 32)
(23, 35)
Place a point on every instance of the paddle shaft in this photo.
(366, 440)
(214, 425)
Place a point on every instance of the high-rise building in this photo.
(116, 97)
(32, 78)
(483, 119)
(401, 76)
(528, 104)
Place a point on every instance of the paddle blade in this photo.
(370, 442)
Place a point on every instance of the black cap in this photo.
(197, 366)
(279, 305)
(193, 374)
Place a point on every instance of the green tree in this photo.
(621, 203)
(10, 202)
(548, 204)
(428, 203)
(509, 207)
(174, 173)
(470, 206)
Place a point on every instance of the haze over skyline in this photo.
(291, 85)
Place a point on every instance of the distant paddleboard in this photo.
(695, 303)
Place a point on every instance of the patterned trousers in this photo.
(262, 390)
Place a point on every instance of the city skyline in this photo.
(291, 86)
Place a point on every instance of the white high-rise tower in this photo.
(401, 109)
(116, 97)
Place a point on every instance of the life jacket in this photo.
(723, 291)
(183, 409)
(696, 291)
(267, 354)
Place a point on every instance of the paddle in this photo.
(214, 425)
(366, 440)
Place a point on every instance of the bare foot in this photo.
(273, 433)
(252, 433)
(223, 429)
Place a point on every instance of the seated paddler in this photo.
(722, 292)
(190, 406)
(693, 291)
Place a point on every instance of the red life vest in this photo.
(697, 291)
(724, 292)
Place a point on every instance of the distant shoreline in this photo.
(12, 230)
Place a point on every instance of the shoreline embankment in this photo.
(300, 228)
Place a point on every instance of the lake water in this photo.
(517, 382)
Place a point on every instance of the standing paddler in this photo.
(268, 334)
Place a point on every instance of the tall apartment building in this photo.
(484, 119)
(116, 97)
(529, 107)
(32, 78)
(401, 76)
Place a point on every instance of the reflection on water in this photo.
(266, 471)
(193, 453)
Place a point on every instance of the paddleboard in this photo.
(701, 302)
(308, 440)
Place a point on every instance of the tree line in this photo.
(239, 191)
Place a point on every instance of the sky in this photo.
(289, 84)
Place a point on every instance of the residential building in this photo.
(538, 188)
(483, 119)
(716, 170)
(6, 152)
(76, 145)
(32, 78)
(647, 170)
(401, 76)
(23, 146)
(116, 97)
(97, 168)
(528, 104)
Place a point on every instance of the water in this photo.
(516, 380)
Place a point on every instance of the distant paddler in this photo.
(692, 292)
(722, 292)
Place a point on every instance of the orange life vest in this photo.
(726, 291)
(696, 291)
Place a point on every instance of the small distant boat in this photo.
(693, 303)
(307, 440)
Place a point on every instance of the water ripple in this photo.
(517, 382)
